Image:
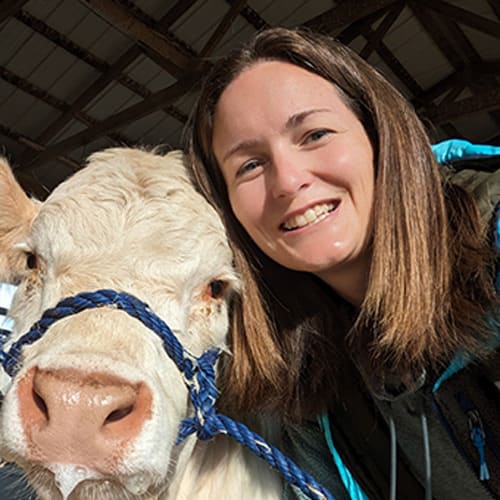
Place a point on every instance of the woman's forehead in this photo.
(273, 94)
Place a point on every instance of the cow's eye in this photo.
(216, 288)
(31, 260)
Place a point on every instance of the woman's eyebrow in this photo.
(240, 146)
(297, 118)
(292, 122)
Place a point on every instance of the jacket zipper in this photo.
(477, 436)
(458, 446)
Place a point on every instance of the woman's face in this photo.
(298, 166)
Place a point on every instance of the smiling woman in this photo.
(367, 271)
(299, 172)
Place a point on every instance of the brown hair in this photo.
(431, 278)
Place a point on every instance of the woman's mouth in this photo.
(311, 216)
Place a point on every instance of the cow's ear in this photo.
(17, 211)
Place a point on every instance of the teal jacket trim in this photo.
(461, 360)
(352, 487)
(444, 152)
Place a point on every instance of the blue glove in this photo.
(455, 149)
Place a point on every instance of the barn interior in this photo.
(81, 75)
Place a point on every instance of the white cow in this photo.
(95, 410)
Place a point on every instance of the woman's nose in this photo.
(289, 177)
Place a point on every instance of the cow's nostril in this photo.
(81, 417)
(40, 404)
(119, 414)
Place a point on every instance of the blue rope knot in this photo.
(198, 373)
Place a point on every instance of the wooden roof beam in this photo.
(458, 38)
(132, 113)
(363, 27)
(60, 40)
(54, 102)
(455, 46)
(451, 131)
(348, 34)
(495, 7)
(394, 65)
(489, 100)
(467, 55)
(173, 14)
(80, 53)
(10, 7)
(224, 25)
(449, 46)
(84, 99)
(452, 94)
(29, 182)
(30, 143)
(251, 16)
(463, 16)
(178, 9)
(120, 17)
(448, 128)
(361, 17)
(471, 56)
(464, 75)
(375, 39)
(344, 14)
(430, 23)
(111, 74)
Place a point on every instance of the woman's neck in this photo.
(350, 281)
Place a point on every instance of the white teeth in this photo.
(300, 220)
(310, 216)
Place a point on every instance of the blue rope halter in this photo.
(198, 373)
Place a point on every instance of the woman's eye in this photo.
(31, 260)
(248, 167)
(316, 135)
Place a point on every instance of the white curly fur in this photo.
(132, 221)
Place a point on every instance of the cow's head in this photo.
(95, 409)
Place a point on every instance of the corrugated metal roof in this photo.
(68, 67)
